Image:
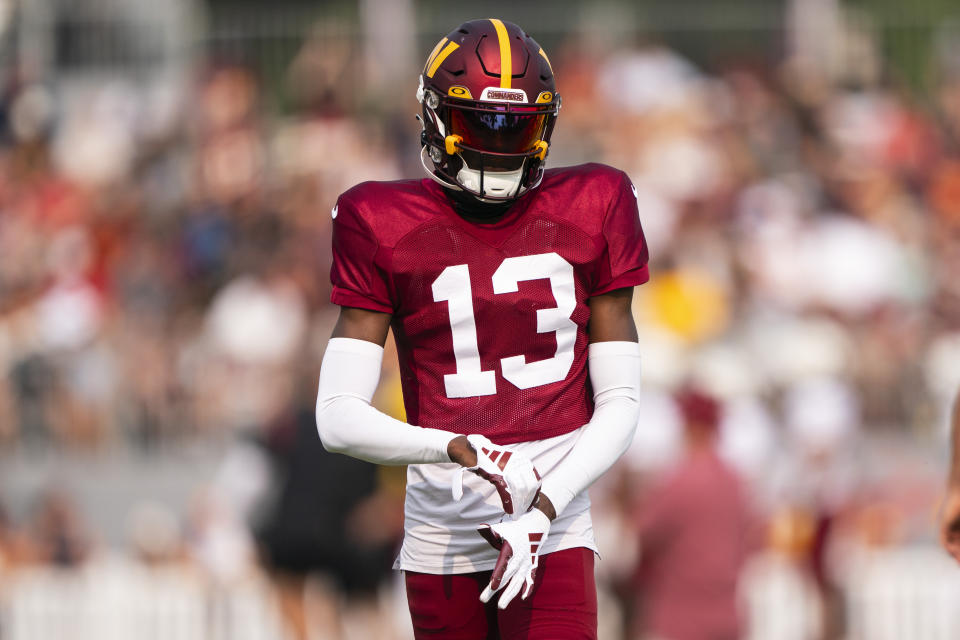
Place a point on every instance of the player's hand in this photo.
(513, 474)
(950, 522)
(519, 542)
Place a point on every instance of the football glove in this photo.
(519, 542)
(513, 474)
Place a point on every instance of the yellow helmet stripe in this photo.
(447, 50)
(506, 60)
(433, 54)
(547, 59)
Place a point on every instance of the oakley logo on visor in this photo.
(496, 94)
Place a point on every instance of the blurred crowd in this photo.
(164, 282)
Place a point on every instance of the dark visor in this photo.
(511, 132)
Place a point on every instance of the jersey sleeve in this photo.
(358, 280)
(624, 261)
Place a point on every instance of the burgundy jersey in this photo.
(491, 320)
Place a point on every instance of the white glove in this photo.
(519, 542)
(512, 473)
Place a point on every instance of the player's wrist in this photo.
(543, 504)
(462, 452)
(557, 491)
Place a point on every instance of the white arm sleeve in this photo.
(348, 424)
(615, 376)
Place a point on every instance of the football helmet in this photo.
(489, 106)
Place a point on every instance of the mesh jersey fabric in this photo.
(578, 235)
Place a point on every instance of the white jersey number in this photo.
(453, 287)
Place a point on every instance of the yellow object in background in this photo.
(689, 303)
(791, 532)
(389, 399)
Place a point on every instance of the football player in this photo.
(508, 288)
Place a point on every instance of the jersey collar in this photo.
(492, 233)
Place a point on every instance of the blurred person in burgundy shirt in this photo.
(694, 537)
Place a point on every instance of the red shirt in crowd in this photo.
(695, 531)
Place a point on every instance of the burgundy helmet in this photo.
(489, 107)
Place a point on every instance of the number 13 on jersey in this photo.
(453, 287)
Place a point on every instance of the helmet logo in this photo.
(457, 91)
(438, 56)
(496, 94)
(545, 96)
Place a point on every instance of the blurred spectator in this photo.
(217, 540)
(330, 522)
(154, 534)
(6, 540)
(821, 476)
(695, 533)
(58, 536)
